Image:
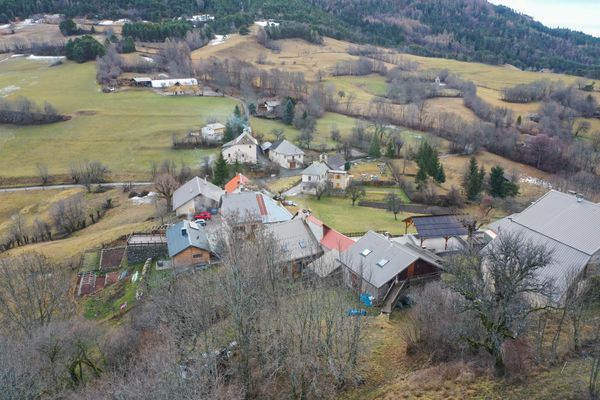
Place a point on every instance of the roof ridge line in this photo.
(549, 237)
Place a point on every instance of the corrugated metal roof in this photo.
(435, 226)
(184, 235)
(195, 187)
(245, 206)
(565, 259)
(563, 218)
(399, 258)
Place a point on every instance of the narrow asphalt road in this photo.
(70, 186)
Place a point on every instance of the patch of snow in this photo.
(148, 59)
(148, 199)
(17, 55)
(6, 26)
(106, 22)
(50, 59)
(219, 39)
(264, 23)
(536, 182)
(8, 90)
(28, 21)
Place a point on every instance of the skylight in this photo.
(302, 244)
(366, 252)
(382, 262)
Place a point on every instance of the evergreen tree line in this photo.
(157, 32)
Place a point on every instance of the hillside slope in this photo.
(469, 30)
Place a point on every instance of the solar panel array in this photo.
(436, 226)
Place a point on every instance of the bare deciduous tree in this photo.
(32, 292)
(69, 215)
(42, 170)
(502, 289)
(165, 185)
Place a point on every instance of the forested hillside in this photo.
(470, 30)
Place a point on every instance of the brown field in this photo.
(124, 218)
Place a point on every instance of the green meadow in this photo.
(126, 130)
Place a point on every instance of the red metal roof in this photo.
(235, 183)
(332, 239)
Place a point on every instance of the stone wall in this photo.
(137, 254)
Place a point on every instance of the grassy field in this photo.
(124, 218)
(125, 130)
(30, 205)
(340, 214)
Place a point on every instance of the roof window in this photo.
(382, 262)
(366, 252)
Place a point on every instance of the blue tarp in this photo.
(367, 299)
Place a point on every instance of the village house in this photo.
(313, 176)
(383, 268)
(339, 179)
(196, 195)
(566, 224)
(213, 133)
(286, 154)
(296, 244)
(188, 245)
(243, 149)
(336, 162)
(272, 106)
(320, 172)
(237, 184)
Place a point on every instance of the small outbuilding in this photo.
(188, 245)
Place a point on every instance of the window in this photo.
(285, 248)
(198, 256)
(382, 262)
(302, 244)
(309, 177)
(366, 252)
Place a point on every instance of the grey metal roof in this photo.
(563, 218)
(399, 258)
(244, 138)
(316, 168)
(564, 257)
(286, 148)
(253, 206)
(435, 226)
(184, 235)
(295, 240)
(195, 187)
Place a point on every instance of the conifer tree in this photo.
(288, 112)
(221, 172)
(375, 148)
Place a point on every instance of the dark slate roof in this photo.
(184, 235)
(435, 226)
(336, 161)
(379, 259)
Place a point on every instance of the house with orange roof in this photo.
(237, 184)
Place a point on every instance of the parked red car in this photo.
(205, 215)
